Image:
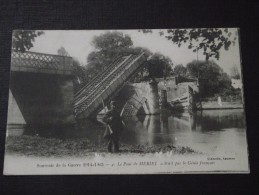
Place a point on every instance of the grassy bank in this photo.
(48, 147)
(225, 105)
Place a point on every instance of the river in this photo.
(209, 131)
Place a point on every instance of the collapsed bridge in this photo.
(89, 100)
(41, 88)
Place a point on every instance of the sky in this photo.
(78, 45)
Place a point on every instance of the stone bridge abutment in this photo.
(41, 90)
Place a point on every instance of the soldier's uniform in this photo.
(114, 127)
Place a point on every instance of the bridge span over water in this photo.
(41, 88)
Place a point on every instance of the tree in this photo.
(209, 40)
(159, 66)
(112, 40)
(79, 73)
(234, 73)
(213, 79)
(62, 52)
(110, 45)
(180, 70)
(107, 46)
(78, 69)
(22, 40)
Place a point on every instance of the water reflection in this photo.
(207, 130)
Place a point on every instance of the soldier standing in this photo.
(114, 127)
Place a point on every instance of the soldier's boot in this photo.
(116, 146)
(110, 146)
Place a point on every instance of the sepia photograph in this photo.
(143, 101)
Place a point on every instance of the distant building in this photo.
(179, 91)
(177, 85)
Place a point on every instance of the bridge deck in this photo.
(106, 84)
(41, 63)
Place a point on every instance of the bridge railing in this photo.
(99, 84)
(40, 62)
(97, 77)
(108, 85)
(97, 87)
(95, 82)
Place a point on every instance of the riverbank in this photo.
(48, 147)
(213, 105)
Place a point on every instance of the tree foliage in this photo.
(112, 40)
(180, 70)
(106, 47)
(213, 80)
(235, 73)
(22, 40)
(62, 52)
(78, 69)
(159, 66)
(209, 40)
(79, 73)
(110, 45)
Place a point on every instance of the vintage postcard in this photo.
(141, 101)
